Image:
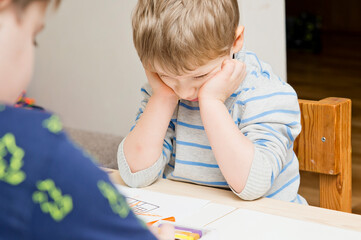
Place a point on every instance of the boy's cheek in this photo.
(167, 83)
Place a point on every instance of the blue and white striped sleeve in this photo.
(147, 176)
(270, 117)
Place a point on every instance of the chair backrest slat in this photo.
(324, 147)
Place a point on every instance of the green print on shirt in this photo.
(53, 124)
(116, 201)
(11, 172)
(2, 107)
(59, 207)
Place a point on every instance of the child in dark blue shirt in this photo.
(49, 189)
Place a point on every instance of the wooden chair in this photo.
(324, 147)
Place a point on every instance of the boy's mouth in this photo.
(194, 100)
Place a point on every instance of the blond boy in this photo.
(212, 113)
(49, 189)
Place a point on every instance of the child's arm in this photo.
(233, 151)
(143, 147)
(252, 152)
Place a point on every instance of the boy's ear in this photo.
(238, 43)
(4, 4)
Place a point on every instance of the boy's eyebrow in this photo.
(196, 76)
(205, 74)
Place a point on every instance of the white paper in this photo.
(152, 206)
(208, 214)
(247, 224)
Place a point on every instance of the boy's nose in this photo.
(187, 94)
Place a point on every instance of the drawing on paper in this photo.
(142, 208)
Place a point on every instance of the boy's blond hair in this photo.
(181, 35)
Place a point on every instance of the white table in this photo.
(290, 217)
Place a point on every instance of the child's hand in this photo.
(158, 86)
(225, 82)
(165, 232)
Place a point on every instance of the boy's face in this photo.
(187, 85)
(17, 42)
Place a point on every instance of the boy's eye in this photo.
(201, 76)
(35, 43)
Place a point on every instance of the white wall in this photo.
(265, 31)
(87, 69)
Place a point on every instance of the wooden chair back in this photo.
(324, 147)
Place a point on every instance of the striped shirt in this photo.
(266, 111)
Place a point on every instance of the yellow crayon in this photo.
(194, 235)
(183, 237)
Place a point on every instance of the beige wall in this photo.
(265, 31)
(88, 72)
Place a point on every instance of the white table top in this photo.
(265, 206)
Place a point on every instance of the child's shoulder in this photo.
(32, 129)
(146, 89)
(260, 78)
(32, 138)
(26, 120)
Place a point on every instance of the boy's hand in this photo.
(159, 87)
(225, 82)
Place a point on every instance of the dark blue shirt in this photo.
(50, 189)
